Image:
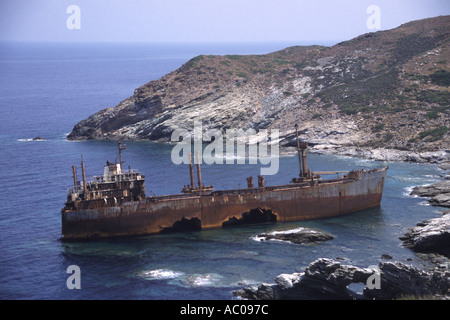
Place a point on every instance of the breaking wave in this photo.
(205, 280)
(261, 237)
(407, 192)
(32, 140)
(160, 274)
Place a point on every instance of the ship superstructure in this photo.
(113, 188)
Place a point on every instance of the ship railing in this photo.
(128, 175)
(305, 184)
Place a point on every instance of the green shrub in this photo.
(191, 63)
(280, 62)
(441, 78)
(241, 74)
(432, 96)
(378, 127)
(433, 134)
(388, 137)
(233, 56)
(432, 114)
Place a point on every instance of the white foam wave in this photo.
(205, 280)
(31, 140)
(419, 180)
(159, 274)
(261, 237)
(290, 231)
(407, 192)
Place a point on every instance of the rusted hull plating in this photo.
(288, 203)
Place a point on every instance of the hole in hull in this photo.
(193, 224)
(254, 216)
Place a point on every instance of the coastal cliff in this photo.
(381, 91)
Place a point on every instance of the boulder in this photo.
(439, 193)
(297, 236)
(430, 236)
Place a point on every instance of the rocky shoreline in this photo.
(329, 279)
(381, 154)
(438, 193)
(430, 236)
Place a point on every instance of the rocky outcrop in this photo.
(382, 154)
(430, 236)
(329, 279)
(296, 236)
(381, 91)
(439, 193)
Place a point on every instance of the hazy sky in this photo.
(303, 21)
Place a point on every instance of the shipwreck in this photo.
(115, 204)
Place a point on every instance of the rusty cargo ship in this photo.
(115, 203)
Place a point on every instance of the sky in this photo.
(302, 21)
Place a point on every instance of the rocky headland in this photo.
(382, 95)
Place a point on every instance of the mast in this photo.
(191, 171)
(120, 154)
(74, 171)
(299, 151)
(304, 146)
(83, 172)
(199, 174)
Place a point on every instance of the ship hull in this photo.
(294, 202)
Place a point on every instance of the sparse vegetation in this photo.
(280, 62)
(191, 63)
(441, 78)
(378, 127)
(241, 74)
(431, 96)
(433, 134)
(388, 137)
(233, 56)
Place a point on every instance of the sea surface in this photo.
(46, 88)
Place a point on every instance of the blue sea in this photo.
(46, 88)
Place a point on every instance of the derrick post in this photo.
(191, 171)
(303, 147)
(261, 183)
(199, 174)
(250, 182)
(120, 153)
(298, 151)
(83, 172)
(74, 172)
